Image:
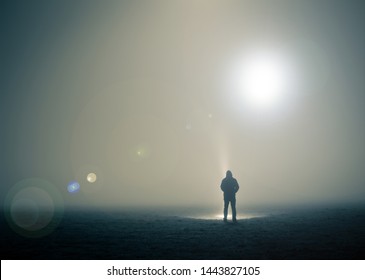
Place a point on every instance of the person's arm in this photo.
(237, 187)
(222, 186)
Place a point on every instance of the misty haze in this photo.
(126, 115)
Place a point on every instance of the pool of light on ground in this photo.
(217, 216)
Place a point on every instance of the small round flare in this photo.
(91, 177)
(73, 187)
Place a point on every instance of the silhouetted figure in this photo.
(229, 186)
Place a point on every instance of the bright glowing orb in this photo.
(264, 80)
(91, 177)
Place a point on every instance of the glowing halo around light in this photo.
(263, 79)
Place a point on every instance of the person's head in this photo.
(229, 174)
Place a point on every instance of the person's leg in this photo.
(225, 210)
(233, 205)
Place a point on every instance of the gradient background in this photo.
(136, 91)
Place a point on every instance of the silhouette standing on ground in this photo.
(229, 186)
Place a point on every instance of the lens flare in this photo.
(73, 187)
(91, 177)
(33, 207)
(24, 212)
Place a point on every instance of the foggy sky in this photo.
(136, 92)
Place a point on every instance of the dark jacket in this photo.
(229, 186)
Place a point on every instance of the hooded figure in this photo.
(229, 186)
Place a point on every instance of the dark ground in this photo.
(301, 234)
